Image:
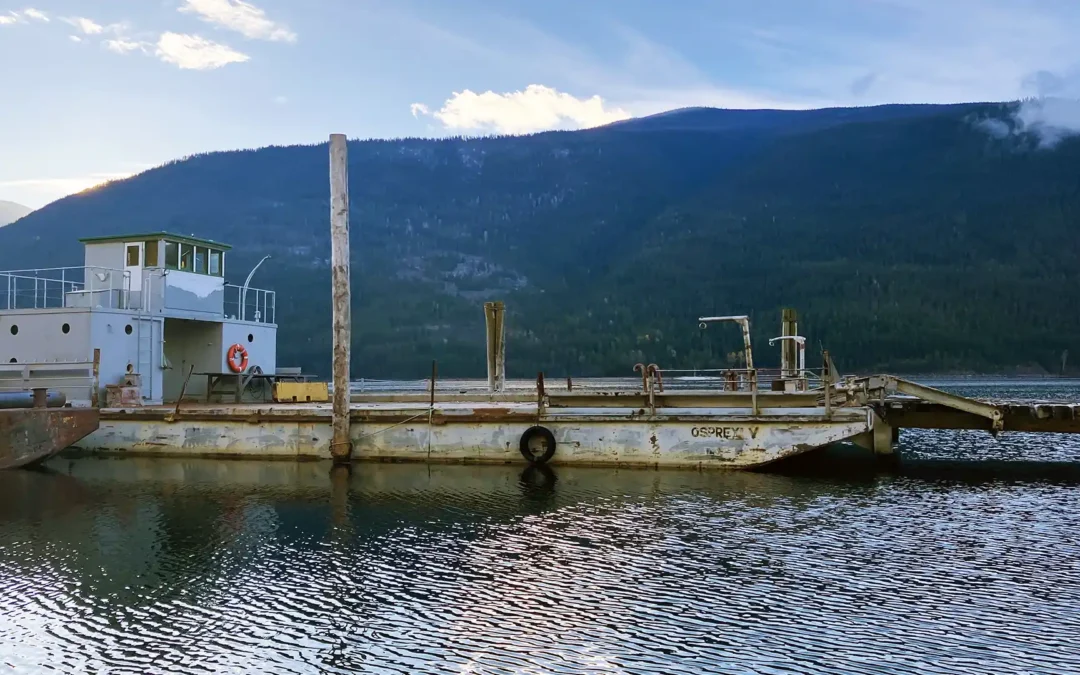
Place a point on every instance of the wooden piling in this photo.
(494, 319)
(789, 350)
(341, 444)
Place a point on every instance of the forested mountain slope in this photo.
(908, 238)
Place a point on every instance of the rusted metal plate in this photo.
(32, 434)
(1033, 417)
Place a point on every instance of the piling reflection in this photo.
(194, 566)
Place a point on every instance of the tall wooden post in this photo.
(494, 319)
(341, 445)
(789, 350)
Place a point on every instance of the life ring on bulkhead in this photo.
(234, 365)
(548, 439)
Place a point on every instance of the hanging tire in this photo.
(544, 435)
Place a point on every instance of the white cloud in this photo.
(1050, 120)
(124, 46)
(75, 38)
(23, 16)
(242, 17)
(191, 52)
(35, 14)
(87, 26)
(537, 108)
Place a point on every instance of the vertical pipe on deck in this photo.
(341, 445)
(95, 392)
(495, 323)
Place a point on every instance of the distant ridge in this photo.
(10, 212)
(910, 238)
(776, 119)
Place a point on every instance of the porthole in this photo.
(66, 328)
(130, 368)
(251, 338)
(127, 329)
(14, 329)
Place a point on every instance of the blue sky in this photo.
(97, 89)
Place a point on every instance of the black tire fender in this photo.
(549, 443)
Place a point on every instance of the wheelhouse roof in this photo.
(167, 236)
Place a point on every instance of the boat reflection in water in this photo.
(196, 565)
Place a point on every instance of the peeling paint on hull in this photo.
(685, 438)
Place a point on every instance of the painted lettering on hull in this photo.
(725, 433)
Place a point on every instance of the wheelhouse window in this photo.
(150, 256)
(187, 258)
(133, 255)
(193, 258)
(172, 255)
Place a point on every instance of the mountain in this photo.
(10, 212)
(909, 238)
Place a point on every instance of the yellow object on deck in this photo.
(293, 392)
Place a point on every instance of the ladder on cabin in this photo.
(144, 345)
(144, 359)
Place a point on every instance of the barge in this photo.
(177, 362)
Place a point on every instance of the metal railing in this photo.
(250, 304)
(713, 380)
(77, 380)
(59, 287)
(730, 379)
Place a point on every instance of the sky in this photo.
(92, 90)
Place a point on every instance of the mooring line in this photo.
(398, 424)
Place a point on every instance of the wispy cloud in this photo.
(537, 108)
(23, 16)
(125, 46)
(192, 52)
(242, 17)
(35, 14)
(87, 26)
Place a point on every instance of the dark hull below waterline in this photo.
(30, 435)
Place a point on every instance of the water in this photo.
(951, 563)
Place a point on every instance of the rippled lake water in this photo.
(964, 559)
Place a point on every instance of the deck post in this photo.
(494, 320)
(95, 379)
(883, 437)
(789, 326)
(341, 445)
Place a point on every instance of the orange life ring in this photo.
(234, 365)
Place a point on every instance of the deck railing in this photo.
(59, 287)
(77, 380)
(713, 380)
(250, 304)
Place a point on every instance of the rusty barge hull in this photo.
(31, 435)
(617, 431)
